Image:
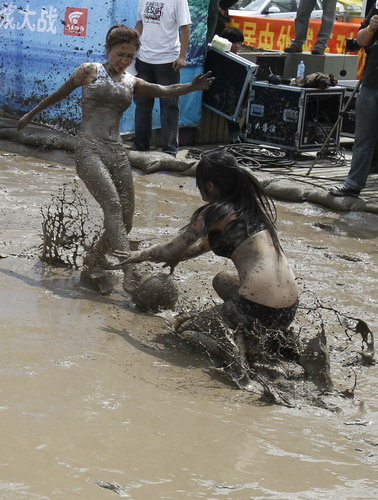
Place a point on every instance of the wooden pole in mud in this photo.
(341, 115)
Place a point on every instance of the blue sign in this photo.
(42, 42)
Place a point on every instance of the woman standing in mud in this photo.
(236, 222)
(101, 160)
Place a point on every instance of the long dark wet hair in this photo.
(238, 190)
(119, 33)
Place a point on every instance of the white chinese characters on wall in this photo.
(13, 17)
(44, 20)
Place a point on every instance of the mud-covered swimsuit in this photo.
(270, 317)
(103, 92)
(224, 243)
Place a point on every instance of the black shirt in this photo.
(370, 77)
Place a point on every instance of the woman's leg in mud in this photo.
(216, 323)
(228, 339)
(202, 329)
(226, 284)
(120, 170)
(211, 330)
(96, 254)
(100, 184)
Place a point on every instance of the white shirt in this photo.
(161, 19)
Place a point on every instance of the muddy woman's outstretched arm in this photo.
(200, 82)
(189, 244)
(85, 73)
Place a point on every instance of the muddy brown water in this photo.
(98, 401)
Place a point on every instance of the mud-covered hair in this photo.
(119, 33)
(237, 190)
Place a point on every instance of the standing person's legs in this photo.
(365, 139)
(169, 108)
(302, 19)
(143, 108)
(328, 18)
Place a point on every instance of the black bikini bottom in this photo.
(270, 317)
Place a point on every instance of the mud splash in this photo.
(68, 233)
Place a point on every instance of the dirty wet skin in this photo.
(101, 399)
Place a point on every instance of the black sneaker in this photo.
(137, 148)
(293, 48)
(342, 190)
(170, 153)
(317, 51)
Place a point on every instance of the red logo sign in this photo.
(75, 21)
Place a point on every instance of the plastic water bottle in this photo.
(301, 70)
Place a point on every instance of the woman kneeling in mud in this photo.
(101, 160)
(237, 222)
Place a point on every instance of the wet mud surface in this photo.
(100, 400)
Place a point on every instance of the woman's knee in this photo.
(226, 284)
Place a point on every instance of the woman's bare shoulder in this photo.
(85, 73)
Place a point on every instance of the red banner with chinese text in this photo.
(276, 34)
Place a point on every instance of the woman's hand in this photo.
(171, 264)
(202, 82)
(141, 256)
(24, 120)
(129, 257)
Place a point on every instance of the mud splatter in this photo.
(292, 367)
(67, 230)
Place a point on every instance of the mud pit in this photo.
(98, 401)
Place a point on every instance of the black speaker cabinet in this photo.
(293, 118)
(233, 76)
(268, 62)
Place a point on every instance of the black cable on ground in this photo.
(269, 159)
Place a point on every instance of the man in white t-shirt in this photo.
(164, 26)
